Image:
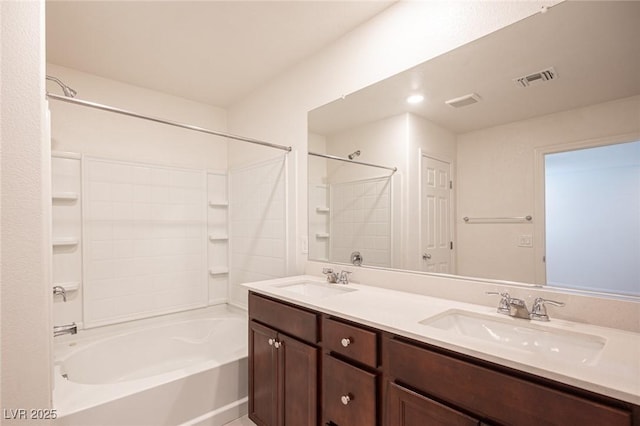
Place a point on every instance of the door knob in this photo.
(426, 256)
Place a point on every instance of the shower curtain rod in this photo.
(162, 121)
(333, 157)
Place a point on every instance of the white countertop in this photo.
(615, 372)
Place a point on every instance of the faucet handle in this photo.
(505, 301)
(58, 289)
(343, 278)
(539, 310)
(327, 271)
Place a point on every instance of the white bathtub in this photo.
(185, 370)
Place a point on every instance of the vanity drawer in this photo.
(491, 394)
(288, 319)
(348, 394)
(351, 341)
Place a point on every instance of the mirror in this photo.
(469, 195)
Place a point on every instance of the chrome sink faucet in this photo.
(336, 278)
(517, 308)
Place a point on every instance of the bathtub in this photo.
(185, 370)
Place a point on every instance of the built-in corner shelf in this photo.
(322, 209)
(62, 242)
(64, 196)
(220, 270)
(69, 286)
(322, 235)
(219, 204)
(218, 237)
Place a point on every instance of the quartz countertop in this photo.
(615, 372)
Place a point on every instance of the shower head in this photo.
(354, 155)
(68, 91)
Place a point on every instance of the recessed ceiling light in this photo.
(415, 99)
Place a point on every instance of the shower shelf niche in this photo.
(61, 242)
(69, 286)
(221, 270)
(64, 196)
(220, 204)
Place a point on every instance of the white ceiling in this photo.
(594, 47)
(215, 52)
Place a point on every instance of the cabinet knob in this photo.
(277, 344)
(346, 399)
(346, 342)
(271, 342)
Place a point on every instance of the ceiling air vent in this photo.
(463, 101)
(535, 78)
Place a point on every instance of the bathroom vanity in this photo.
(312, 365)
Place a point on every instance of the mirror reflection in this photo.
(487, 158)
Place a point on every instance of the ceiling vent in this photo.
(535, 78)
(463, 101)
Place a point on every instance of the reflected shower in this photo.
(354, 155)
(68, 91)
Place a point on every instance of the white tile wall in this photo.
(145, 240)
(361, 220)
(257, 214)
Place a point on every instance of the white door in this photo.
(435, 200)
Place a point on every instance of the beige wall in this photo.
(26, 333)
(496, 178)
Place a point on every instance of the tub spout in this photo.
(59, 330)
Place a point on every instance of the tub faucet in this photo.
(57, 289)
(59, 330)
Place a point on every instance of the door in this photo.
(435, 214)
(263, 375)
(299, 366)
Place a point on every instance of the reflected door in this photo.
(435, 200)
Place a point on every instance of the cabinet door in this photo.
(407, 408)
(348, 394)
(263, 375)
(298, 363)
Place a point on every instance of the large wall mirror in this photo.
(519, 160)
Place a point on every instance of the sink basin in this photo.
(517, 334)
(314, 289)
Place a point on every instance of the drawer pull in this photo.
(346, 342)
(346, 399)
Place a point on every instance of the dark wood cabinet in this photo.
(408, 408)
(309, 368)
(283, 378)
(491, 395)
(349, 396)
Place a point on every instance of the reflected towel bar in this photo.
(514, 219)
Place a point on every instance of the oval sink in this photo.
(560, 345)
(315, 289)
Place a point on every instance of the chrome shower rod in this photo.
(334, 157)
(163, 121)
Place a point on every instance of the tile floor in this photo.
(242, 421)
